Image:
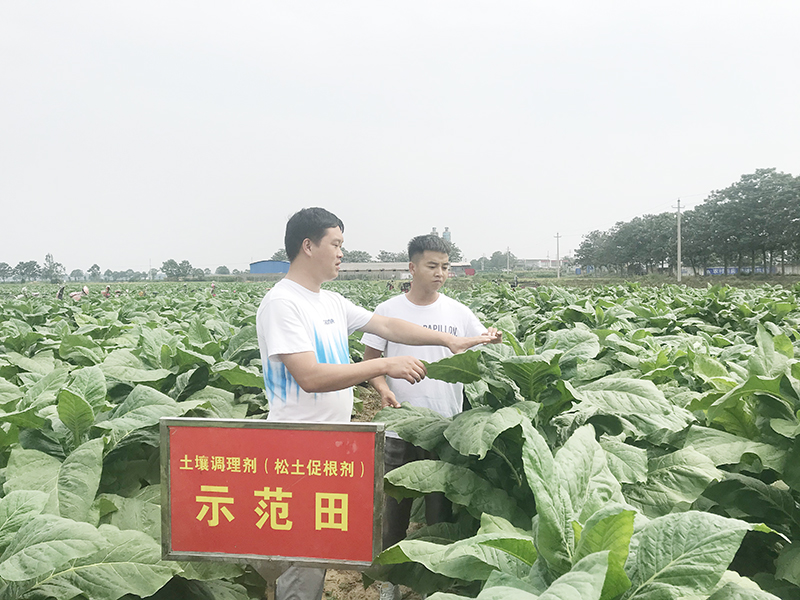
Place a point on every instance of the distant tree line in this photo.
(384, 256)
(754, 222)
(54, 272)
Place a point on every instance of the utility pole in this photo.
(508, 258)
(680, 265)
(558, 256)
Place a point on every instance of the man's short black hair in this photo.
(431, 242)
(308, 223)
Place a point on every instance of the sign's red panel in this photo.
(272, 492)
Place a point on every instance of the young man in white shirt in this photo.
(423, 305)
(302, 336)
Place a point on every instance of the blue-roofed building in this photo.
(269, 267)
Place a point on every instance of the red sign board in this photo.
(310, 493)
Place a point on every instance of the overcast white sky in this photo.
(135, 132)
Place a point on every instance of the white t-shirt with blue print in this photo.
(292, 319)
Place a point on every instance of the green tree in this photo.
(356, 256)
(171, 269)
(26, 270)
(455, 253)
(385, 256)
(5, 271)
(76, 275)
(198, 274)
(280, 255)
(94, 272)
(52, 271)
(223, 270)
(185, 268)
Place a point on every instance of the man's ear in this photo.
(411, 268)
(306, 246)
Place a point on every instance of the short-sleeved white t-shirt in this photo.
(292, 319)
(445, 315)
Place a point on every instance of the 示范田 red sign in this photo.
(304, 492)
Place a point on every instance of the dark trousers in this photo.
(396, 514)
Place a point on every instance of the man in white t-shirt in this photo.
(302, 335)
(423, 305)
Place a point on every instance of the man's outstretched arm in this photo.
(403, 332)
(315, 377)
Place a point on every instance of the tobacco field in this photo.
(624, 442)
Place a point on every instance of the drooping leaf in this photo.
(682, 554)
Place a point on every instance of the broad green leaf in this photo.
(682, 554)
(42, 363)
(44, 391)
(627, 463)
(143, 407)
(555, 535)
(473, 432)
(611, 531)
(459, 484)
(76, 414)
(581, 469)
(135, 514)
(16, 509)
(772, 504)
(9, 393)
(674, 481)
(44, 544)
(123, 365)
(472, 559)
(637, 404)
(577, 344)
(753, 385)
(459, 368)
(238, 375)
(422, 427)
(728, 449)
(532, 373)
(80, 349)
(244, 343)
(33, 470)
(78, 480)
(129, 563)
(583, 582)
(90, 384)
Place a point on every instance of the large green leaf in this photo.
(33, 470)
(422, 427)
(727, 449)
(459, 484)
(674, 482)
(638, 405)
(628, 463)
(76, 413)
(16, 509)
(123, 365)
(46, 543)
(555, 535)
(78, 480)
(459, 368)
(682, 554)
(90, 384)
(532, 373)
(128, 563)
(474, 431)
(471, 559)
(143, 407)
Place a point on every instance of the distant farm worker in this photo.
(303, 335)
(424, 305)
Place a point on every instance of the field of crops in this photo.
(624, 443)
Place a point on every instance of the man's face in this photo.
(328, 253)
(429, 270)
